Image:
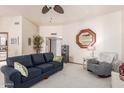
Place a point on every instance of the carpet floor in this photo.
(72, 76)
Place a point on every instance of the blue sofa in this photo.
(40, 66)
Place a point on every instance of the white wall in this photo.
(28, 31)
(123, 35)
(109, 35)
(22, 30)
(108, 32)
(58, 49)
(7, 24)
(45, 31)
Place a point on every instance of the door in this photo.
(3, 46)
(53, 46)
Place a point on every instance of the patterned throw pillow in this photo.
(21, 68)
(57, 58)
(115, 66)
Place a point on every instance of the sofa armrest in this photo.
(11, 75)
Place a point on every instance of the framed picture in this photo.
(85, 38)
(2, 41)
(13, 40)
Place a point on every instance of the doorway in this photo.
(53, 44)
(3, 46)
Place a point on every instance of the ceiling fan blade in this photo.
(58, 9)
(45, 9)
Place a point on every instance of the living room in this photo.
(103, 23)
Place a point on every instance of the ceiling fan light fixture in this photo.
(50, 7)
(58, 9)
(45, 9)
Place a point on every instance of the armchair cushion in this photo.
(92, 61)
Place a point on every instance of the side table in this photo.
(85, 59)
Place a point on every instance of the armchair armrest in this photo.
(11, 75)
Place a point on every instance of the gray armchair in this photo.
(102, 69)
(103, 65)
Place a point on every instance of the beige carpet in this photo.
(72, 76)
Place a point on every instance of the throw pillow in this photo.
(57, 58)
(115, 66)
(21, 68)
(93, 61)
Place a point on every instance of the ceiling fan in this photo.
(56, 8)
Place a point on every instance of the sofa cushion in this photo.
(48, 57)
(32, 73)
(38, 59)
(24, 60)
(57, 58)
(45, 67)
(56, 64)
(21, 68)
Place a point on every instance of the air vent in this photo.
(53, 33)
(16, 23)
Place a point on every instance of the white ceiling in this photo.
(72, 13)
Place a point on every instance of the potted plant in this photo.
(37, 42)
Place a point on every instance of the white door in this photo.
(54, 45)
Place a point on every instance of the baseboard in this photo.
(2, 60)
(75, 63)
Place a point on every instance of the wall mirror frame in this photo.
(85, 38)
